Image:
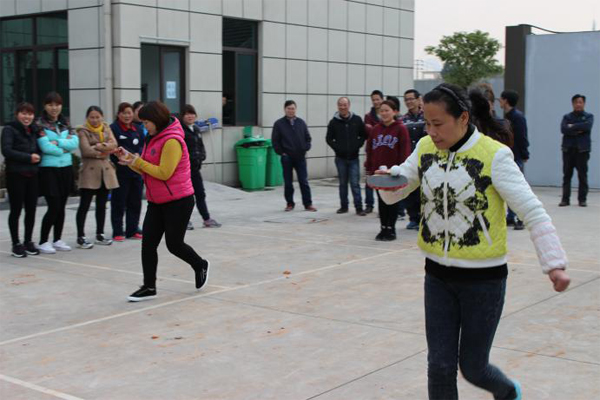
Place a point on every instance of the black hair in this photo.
(289, 103)
(511, 97)
(25, 107)
(188, 109)
(395, 100)
(391, 104)
(454, 99)
(137, 105)
(481, 116)
(414, 91)
(377, 92)
(93, 108)
(157, 113)
(53, 97)
(578, 96)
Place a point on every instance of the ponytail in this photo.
(481, 116)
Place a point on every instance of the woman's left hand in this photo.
(560, 279)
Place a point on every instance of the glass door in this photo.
(163, 75)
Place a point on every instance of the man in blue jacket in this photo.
(291, 140)
(576, 128)
(508, 102)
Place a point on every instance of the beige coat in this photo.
(96, 166)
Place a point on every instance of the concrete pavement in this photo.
(299, 305)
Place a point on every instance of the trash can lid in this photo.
(251, 141)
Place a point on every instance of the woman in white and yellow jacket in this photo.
(466, 179)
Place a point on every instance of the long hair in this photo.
(482, 117)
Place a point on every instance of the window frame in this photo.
(34, 49)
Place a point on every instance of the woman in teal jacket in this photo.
(57, 141)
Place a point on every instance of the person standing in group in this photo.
(291, 140)
(22, 156)
(346, 135)
(165, 168)
(57, 141)
(136, 119)
(576, 128)
(518, 123)
(197, 153)
(372, 119)
(127, 198)
(388, 144)
(465, 178)
(415, 124)
(97, 175)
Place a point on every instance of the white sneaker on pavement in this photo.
(46, 248)
(61, 246)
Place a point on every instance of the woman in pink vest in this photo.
(165, 168)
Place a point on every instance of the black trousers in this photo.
(200, 194)
(388, 213)
(170, 219)
(126, 199)
(413, 205)
(574, 159)
(22, 192)
(85, 200)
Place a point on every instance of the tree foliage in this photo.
(467, 56)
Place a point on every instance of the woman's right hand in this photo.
(560, 279)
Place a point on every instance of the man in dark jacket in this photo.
(291, 140)
(346, 135)
(508, 102)
(197, 152)
(576, 128)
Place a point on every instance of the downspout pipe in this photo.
(108, 62)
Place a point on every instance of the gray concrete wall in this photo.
(558, 66)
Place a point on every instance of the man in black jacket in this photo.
(346, 135)
(291, 140)
(197, 152)
(576, 128)
(508, 102)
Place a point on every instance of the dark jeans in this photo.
(290, 164)
(54, 217)
(170, 219)
(126, 199)
(200, 194)
(22, 192)
(574, 159)
(511, 214)
(85, 200)
(413, 205)
(348, 171)
(388, 213)
(461, 320)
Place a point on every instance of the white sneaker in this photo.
(61, 246)
(46, 248)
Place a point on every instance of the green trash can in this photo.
(274, 170)
(252, 161)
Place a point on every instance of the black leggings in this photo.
(170, 219)
(55, 216)
(388, 213)
(22, 191)
(84, 205)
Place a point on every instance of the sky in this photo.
(437, 18)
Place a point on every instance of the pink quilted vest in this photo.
(179, 185)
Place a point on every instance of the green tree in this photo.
(467, 56)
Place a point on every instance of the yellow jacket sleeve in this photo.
(169, 158)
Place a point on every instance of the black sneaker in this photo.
(202, 274)
(143, 293)
(380, 236)
(360, 212)
(510, 222)
(102, 240)
(390, 235)
(564, 203)
(18, 250)
(368, 210)
(83, 243)
(519, 225)
(342, 210)
(190, 226)
(30, 249)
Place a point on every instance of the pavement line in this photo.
(185, 299)
(38, 388)
(568, 268)
(124, 271)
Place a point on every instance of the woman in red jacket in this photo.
(388, 144)
(165, 168)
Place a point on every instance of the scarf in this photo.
(98, 130)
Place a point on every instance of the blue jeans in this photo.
(290, 164)
(461, 320)
(511, 214)
(348, 171)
